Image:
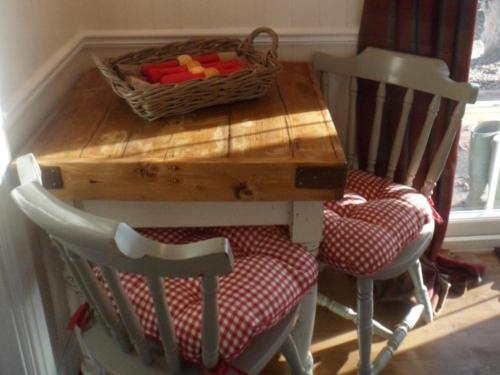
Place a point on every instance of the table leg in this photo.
(306, 228)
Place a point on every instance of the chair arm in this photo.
(210, 257)
(28, 169)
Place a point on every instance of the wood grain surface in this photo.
(243, 151)
(463, 339)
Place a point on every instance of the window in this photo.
(476, 200)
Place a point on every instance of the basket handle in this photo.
(273, 51)
(108, 72)
(104, 68)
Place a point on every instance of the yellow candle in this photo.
(184, 59)
(211, 72)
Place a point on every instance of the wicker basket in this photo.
(167, 100)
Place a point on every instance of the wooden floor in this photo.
(464, 338)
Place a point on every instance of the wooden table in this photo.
(273, 160)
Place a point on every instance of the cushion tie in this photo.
(435, 214)
(80, 318)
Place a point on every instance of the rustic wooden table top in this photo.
(283, 146)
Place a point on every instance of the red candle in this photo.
(180, 77)
(207, 58)
(145, 68)
(224, 64)
(155, 74)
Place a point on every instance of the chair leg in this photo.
(415, 271)
(303, 331)
(365, 326)
(397, 338)
(309, 364)
(289, 351)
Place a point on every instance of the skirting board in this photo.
(32, 103)
(295, 44)
(41, 79)
(296, 36)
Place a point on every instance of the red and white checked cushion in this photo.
(366, 230)
(271, 275)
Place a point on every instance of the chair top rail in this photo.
(419, 73)
(117, 245)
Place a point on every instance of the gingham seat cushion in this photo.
(366, 230)
(271, 275)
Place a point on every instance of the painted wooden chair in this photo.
(183, 302)
(380, 229)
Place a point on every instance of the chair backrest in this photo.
(415, 73)
(113, 246)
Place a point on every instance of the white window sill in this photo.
(475, 231)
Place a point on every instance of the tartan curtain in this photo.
(443, 29)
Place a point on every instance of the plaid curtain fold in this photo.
(443, 29)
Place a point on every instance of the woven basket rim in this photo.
(264, 66)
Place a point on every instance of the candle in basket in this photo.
(155, 74)
(145, 68)
(180, 77)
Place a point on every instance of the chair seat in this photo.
(271, 275)
(366, 230)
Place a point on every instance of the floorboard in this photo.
(464, 338)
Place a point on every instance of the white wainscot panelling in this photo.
(140, 14)
(30, 34)
(354, 11)
(112, 14)
(335, 12)
(191, 14)
(221, 14)
(305, 13)
(276, 13)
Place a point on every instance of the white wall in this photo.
(119, 26)
(41, 41)
(32, 31)
(32, 34)
(224, 14)
(35, 36)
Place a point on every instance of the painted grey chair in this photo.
(119, 344)
(415, 73)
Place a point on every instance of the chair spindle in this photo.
(351, 147)
(101, 301)
(325, 87)
(439, 159)
(210, 330)
(422, 140)
(377, 124)
(128, 315)
(165, 325)
(400, 134)
(74, 273)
